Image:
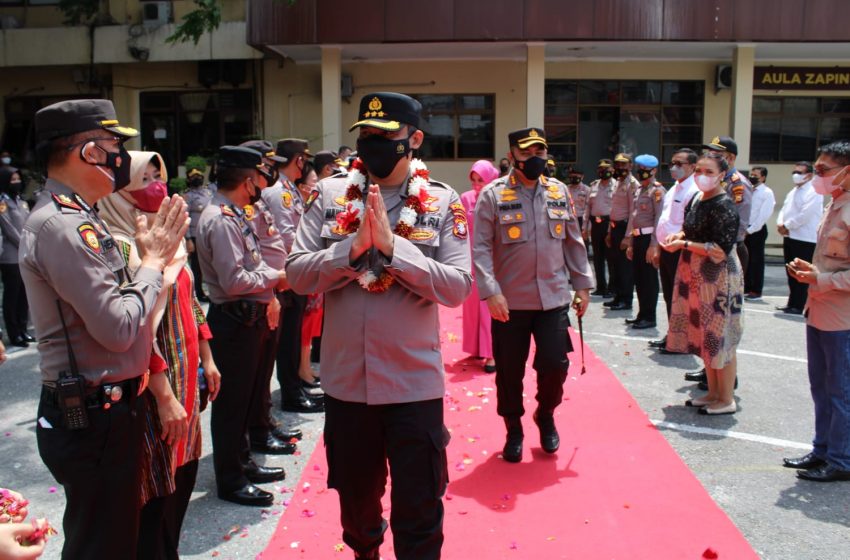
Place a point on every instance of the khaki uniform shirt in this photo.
(579, 194)
(828, 304)
(598, 201)
(382, 348)
(196, 199)
(67, 255)
(271, 243)
(13, 214)
(287, 206)
(646, 211)
(528, 244)
(230, 255)
(740, 190)
(622, 199)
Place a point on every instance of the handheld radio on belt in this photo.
(71, 387)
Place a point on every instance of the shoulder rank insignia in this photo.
(89, 237)
(738, 193)
(314, 194)
(249, 212)
(65, 200)
(286, 199)
(554, 192)
(460, 229)
(3, 206)
(227, 211)
(507, 195)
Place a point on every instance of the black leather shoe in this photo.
(789, 310)
(489, 368)
(28, 337)
(609, 295)
(272, 446)
(598, 293)
(512, 452)
(550, 441)
(620, 307)
(667, 352)
(286, 435)
(260, 475)
(660, 343)
(302, 403)
(696, 376)
(643, 324)
(631, 321)
(703, 385)
(824, 473)
(611, 303)
(248, 495)
(808, 461)
(314, 385)
(204, 299)
(20, 342)
(371, 555)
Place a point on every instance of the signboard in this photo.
(802, 78)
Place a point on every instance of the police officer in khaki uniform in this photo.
(621, 208)
(13, 213)
(642, 246)
(90, 432)
(579, 193)
(197, 197)
(286, 204)
(241, 287)
(527, 246)
(266, 435)
(595, 227)
(386, 245)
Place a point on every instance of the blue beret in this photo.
(646, 160)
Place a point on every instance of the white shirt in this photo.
(763, 204)
(673, 211)
(801, 213)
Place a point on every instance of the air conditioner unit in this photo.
(155, 14)
(723, 77)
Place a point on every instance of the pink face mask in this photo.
(150, 198)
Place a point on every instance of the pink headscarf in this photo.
(485, 169)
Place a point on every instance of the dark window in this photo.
(587, 120)
(179, 124)
(457, 126)
(789, 129)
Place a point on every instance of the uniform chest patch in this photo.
(249, 212)
(419, 234)
(286, 199)
(311, 199)
(89, 236)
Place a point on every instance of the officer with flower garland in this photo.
(386, 244)
(527, 245)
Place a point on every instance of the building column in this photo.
(536, 82)
(331, 96)
(743, 63)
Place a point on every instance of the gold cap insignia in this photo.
(533, 134)
(715, 140)
(375, 104)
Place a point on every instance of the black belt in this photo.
(101, 396)
(244, 311)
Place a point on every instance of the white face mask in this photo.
(706, 183)
(6, 160)
(823, 185)
(677, 172)
(798, 178)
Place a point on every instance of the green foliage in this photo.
(79, 12)
(206, 17)
(177, 185)
(196, 162)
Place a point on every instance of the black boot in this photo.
(512, 451)
(550, 441)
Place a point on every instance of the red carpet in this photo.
(615, 490)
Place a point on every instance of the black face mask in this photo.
(117, 163)
(15, 188)
(381, 154)
(574, 180)
(754, 180)
(532, 168)
(255, 198)
(195, 182)
(621, 173)
(644, 174)
(605, 175)
(503, 168)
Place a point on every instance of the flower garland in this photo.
(348, 221)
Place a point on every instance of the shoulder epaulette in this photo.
(227, 210)
(65, 201)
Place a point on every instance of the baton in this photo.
(577, 301)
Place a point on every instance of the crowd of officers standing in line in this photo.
(385, 243)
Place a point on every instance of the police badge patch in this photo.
(460, 228)
(89, 237)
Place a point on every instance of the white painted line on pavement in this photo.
(748, 309)
(745, 352)
(730, 434)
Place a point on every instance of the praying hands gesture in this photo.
(375, 230)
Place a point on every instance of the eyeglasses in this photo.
(87, 140)
(821, 171)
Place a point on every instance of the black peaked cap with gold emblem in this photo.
(527, 137)
(388, 111)
(288, 148)
(239, 157)
(79, 115)
(264, 147)
(723, 144)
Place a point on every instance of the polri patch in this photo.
(89, 236)
(460, 228)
